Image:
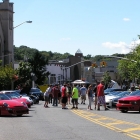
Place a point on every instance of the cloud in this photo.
(65, 39)
(126, 19)
(121, 47)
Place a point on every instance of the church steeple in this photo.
(79, 53)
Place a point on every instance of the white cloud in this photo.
(126, 19)
(65, 39)
(121, 47)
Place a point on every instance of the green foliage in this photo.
(106, 78)
(6, 74)
(24, 72)
(24, 52)
(38, 66)
(129, 69)
(88, 57)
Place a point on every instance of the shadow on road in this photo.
(12, 116)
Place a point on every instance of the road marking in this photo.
(110, 123)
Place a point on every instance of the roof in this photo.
(78, 51)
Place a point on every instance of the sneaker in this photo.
(98, 109)
(72, 107)
(84, 103)
(65, 108)
(76, 107)
(106, 108)
(81, 102)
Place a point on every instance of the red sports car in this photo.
(129, 103)
(12, 107)
(15, 96)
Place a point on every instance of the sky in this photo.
(96, 27)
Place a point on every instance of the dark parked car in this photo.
(37, 92)
(34, 98)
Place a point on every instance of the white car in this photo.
(110, 97)
(28, 98)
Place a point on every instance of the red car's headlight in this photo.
(24, 103)
(133, 102)
(5, 105)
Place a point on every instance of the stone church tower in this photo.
(6, 23)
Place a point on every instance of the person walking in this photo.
(59, 95)
(95, 95)
(50, 95)
(101, 96)
(75, 95)
(69, 92)
(83, 91)
(90, 96)
(64, 97)
(46, 95)
(55, 92)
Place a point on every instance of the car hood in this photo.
(132, 98)
(109, 97)
(20, 100)
(11, 103)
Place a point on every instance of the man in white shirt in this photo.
(46, 95)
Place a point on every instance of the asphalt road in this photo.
(56, 124)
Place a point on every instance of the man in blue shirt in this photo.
(83, 91)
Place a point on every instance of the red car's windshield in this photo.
(4, 97)
(12, 94)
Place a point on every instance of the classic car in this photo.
(129, 103)
(12, 107)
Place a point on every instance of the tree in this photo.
(106, 78)
(24, 72)
(7, 76)
(38, 66)
(129, 69)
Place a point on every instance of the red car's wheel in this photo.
(124, 111)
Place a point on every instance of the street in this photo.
(56, 124)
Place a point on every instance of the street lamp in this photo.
(22, 23)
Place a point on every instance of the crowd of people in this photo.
(67, 94)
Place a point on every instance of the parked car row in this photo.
(14, 103)
(123, 100)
